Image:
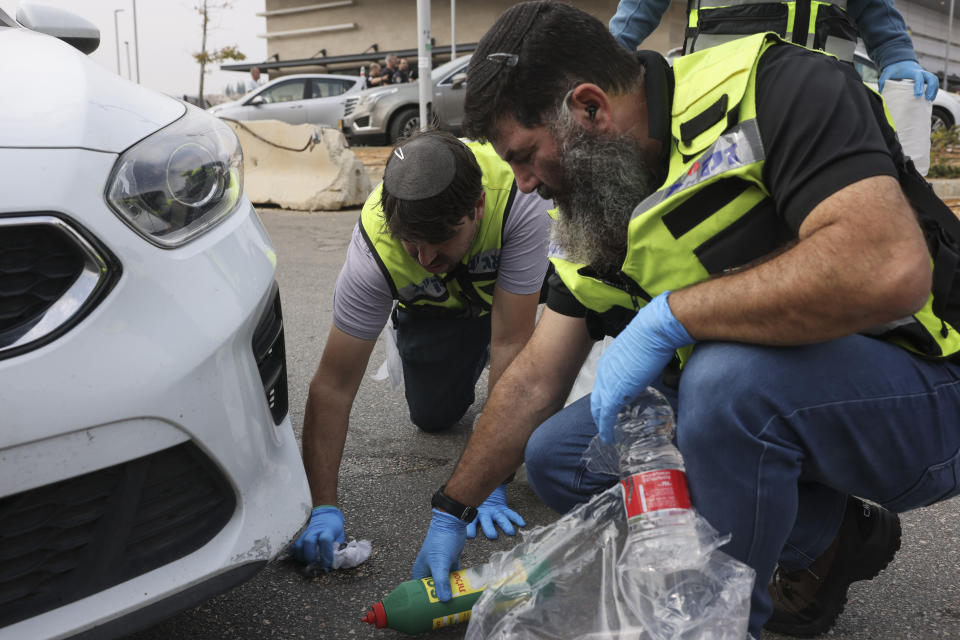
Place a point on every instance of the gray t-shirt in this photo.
(362, 300)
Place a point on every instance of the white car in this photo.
(306, 98)
(383, 115)
(946, 107)
(147, 461)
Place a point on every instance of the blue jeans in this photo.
(442, 361)
(775, 438)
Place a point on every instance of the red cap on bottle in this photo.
(376, 616)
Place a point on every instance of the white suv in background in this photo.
(147, 460)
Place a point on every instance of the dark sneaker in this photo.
(806, 603)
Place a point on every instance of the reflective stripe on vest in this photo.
(814, 24)
(467, 290)
(713, 213)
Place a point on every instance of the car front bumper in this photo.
(162, 375)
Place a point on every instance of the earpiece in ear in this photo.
(591, 112)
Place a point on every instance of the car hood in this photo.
(223, 106)
(63, 99)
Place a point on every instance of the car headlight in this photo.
(179, 182)
(367, 102)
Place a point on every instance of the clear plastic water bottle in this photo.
(661, 522)
(660, 570)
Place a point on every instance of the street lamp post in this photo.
(453, 29)
(136, 45)
(116, 35)
(424, 61)
(946, 55)
(126, 43)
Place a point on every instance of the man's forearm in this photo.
(501, 355)
(532, 389)
(495, 450)
(842, 278)
(324, 433)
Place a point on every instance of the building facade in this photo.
(343, 35)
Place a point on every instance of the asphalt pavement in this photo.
(390, 470)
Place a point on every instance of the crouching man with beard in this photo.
(747, 226)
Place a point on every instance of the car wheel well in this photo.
(943, 115)
(401, 122)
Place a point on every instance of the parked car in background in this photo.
(383, 115)
(306, 98)
(147, 461)
(946, 106)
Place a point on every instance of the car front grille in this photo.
(65, 541)
(52, 273)
(271, 356)
(348, 106)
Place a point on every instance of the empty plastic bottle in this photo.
(662, 524)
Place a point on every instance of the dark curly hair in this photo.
(532, 56)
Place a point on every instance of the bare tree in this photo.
(204, 57)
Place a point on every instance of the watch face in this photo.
(459, 510)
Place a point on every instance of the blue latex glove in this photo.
(910, 70)
(494, 510)
(315, 545)
(440, 553)
(634, 360)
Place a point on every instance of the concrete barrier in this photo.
(946, 188)
(301, 167)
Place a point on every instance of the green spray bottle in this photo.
(413, 606)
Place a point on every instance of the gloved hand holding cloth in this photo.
(634, 360)
(318, 541)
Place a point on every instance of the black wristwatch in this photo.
(459, 510)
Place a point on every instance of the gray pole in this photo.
(453, 29)
(116, 35)
(424, 62)
(136, 45)
(126, 43)
(946, 55)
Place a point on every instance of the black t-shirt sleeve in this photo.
(820, 129)
(560, 299)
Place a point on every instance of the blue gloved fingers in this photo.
(924, 83)
(933, 84)
(315, 545)
(472, 528)
(882, 80)
(440, 552)
(505, 519)
(494, 512)
(420, 567)
(634, 359)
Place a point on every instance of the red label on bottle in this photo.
(654, 490)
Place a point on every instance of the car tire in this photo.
(940, 118)
(406, 122)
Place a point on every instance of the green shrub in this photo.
(942, 139)
(940, 170)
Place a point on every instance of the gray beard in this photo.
(604, 179)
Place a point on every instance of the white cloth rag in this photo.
(351, 554)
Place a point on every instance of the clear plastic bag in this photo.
(582, 577)
(392, 367)
(584, 382)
